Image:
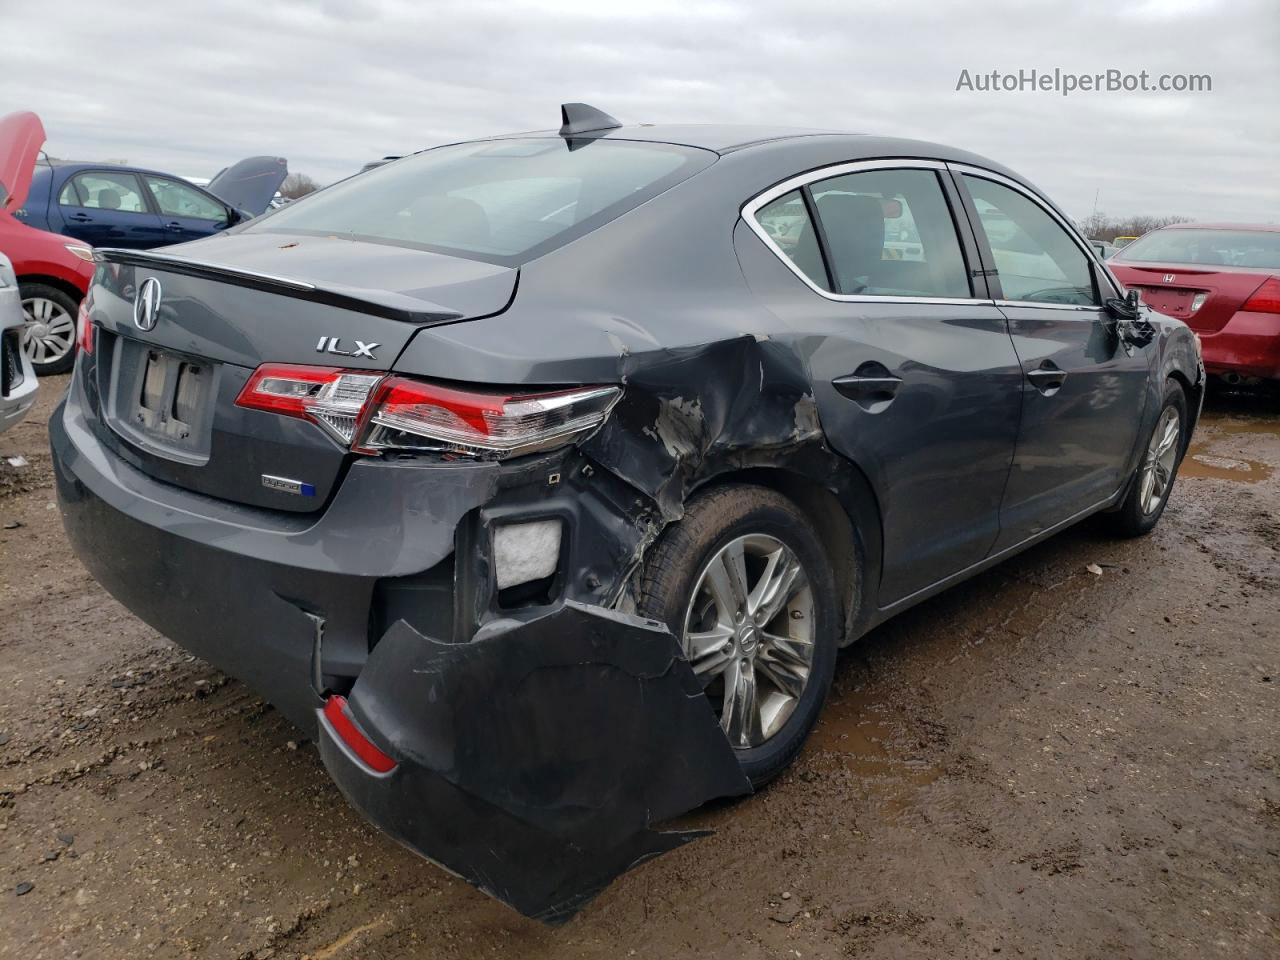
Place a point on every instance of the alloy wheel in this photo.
(49, 333)
(749, 635)
(1158, 465)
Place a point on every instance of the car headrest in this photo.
(854, 226)
(109, 199)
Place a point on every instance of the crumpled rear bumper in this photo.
(534, 760)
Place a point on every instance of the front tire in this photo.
(1152, 483)
(745, 585)
(49, 336)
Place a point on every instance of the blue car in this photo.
(107, 205)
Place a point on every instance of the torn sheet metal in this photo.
(534, 760)
(701, 410)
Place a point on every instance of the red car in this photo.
(1223, 281)
(53, 273)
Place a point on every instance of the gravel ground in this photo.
(1043, 762)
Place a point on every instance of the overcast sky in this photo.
(329, 84)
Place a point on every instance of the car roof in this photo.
(720, 137)
(1263, 227)
(75, 166)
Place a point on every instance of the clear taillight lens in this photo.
(407, 414)
(375, 413)
(332, 398)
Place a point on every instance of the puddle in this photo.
(1211, 466)
(854, 737)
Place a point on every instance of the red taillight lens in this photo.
(373, 412)
(339, 716)
(332, 398)
(84, 328)
(407, 414)
(1266, 299)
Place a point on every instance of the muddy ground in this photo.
(1044, 762)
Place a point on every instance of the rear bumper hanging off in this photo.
(534, 760)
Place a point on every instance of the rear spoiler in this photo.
(378, 303)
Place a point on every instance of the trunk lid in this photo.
(1175, 290)
(249, 184)
(21, 137)
(178, 334)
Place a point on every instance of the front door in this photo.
(1083, 390)
(913, 370)
(185, 212)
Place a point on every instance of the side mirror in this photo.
(1132, 326)
(1130, 308)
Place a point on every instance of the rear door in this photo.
(185, 212)
(913, 370)
(107, 208)
(1083, 391)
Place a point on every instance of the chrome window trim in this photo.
(752, 206)
(1090, 254)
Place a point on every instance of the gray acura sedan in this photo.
(541, 477)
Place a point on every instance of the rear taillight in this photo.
(1266, 299)
(332, 398)
(408, 414)
(375, 413)
(84, 328)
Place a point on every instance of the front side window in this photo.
(1231, 248)
(102, 190)
(501, 201)
(1035, 258)
(889, 233)
(182, 200)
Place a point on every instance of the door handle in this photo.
(1048, 378)
(173, 225)
(871, 386)
(81, 218)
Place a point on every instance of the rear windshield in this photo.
(502, 201)
(1223, 248)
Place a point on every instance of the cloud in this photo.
(333, 83)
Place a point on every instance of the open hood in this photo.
(21, 137)
(250, 184)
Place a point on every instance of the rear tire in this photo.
(764, 649)
(49, 337)
(1152, 482)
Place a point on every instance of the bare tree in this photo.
(297, 185)
(1098, 226)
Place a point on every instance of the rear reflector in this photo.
(1266, 299)
(84, 328)
(339, 716)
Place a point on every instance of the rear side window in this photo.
(502, 201)
(1035, 258)
(890, 233)
(103, 190)
(786, 221)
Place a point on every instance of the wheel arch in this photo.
(70, 289)
(847, 522)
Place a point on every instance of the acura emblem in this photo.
(1169, 278)
(146, 305)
